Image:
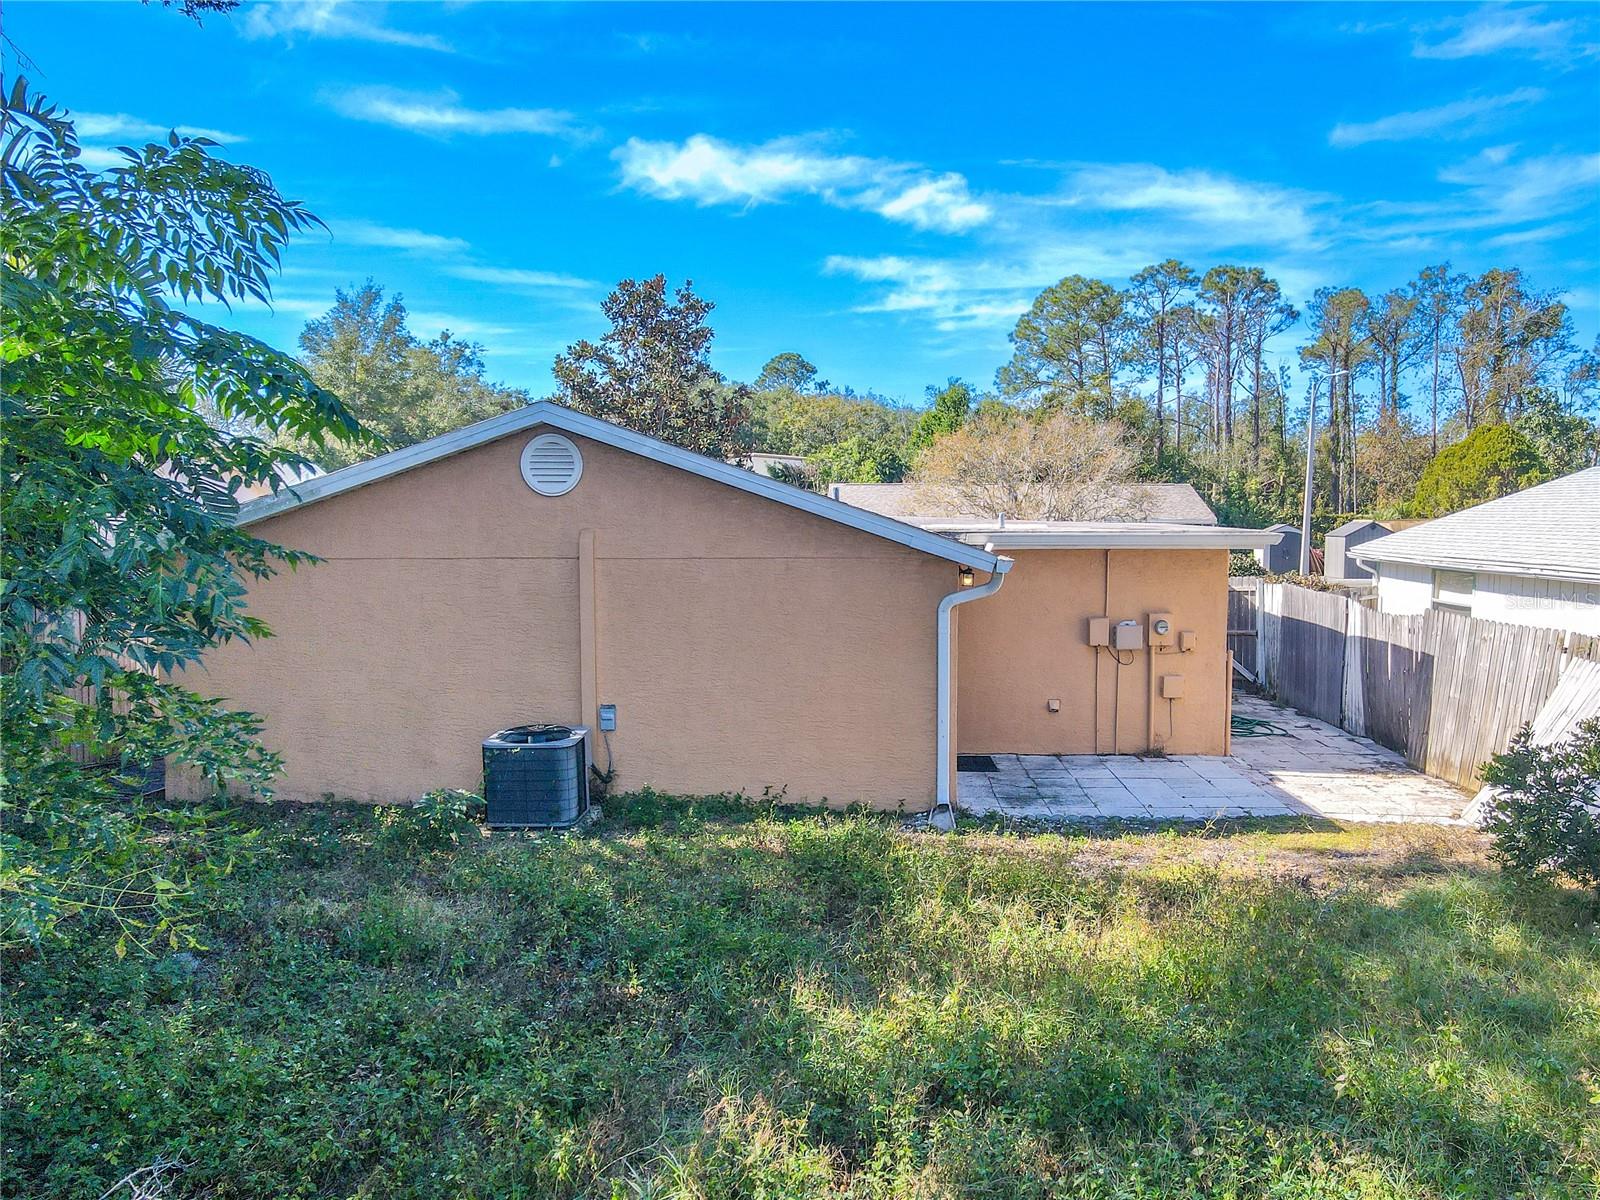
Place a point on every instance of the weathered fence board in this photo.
(1446, 690)
(1306, 630)
(1243, 601)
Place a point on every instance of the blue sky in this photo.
(882, 188)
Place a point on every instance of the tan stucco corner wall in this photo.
(1028, 645)
(747, 646)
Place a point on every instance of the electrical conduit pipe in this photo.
(943, 816)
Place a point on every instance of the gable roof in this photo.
(1355, 526)
(1171, 503)
(763, 464)
(546, 412)
(1552, 530)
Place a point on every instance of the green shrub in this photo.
(1545, 819)
(1242, 563)
(1490, 462)
(436, 822)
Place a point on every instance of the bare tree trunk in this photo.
(1161, 379)
(1255, 408)
(1433, 430)
(1225, 384)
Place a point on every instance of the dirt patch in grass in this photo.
(1321, 857)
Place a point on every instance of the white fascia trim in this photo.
(1464, 562)
(1134, 538)
(545, 412)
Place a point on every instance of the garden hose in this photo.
(1257, 727)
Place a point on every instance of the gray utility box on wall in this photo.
(536, 776)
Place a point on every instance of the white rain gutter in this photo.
(943, 815)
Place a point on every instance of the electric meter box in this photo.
(1162, 630)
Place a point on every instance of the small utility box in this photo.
(1127, 635)
(1172, 687)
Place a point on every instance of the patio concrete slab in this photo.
(1308, 769)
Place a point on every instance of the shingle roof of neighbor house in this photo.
(1551, 530)
(1179, 519)
(764, 464)
(544, 412)
(1169, 503)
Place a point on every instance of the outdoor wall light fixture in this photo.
(968, 578)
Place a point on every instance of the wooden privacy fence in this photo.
(1446, 690)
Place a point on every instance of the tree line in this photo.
(1187, 367)
(1184, 359)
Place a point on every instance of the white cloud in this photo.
(300, 306)
(514, 277)
(1399, 127)
(708, 170)
(94, 126)
(1495, 190)
(1227, 212)
(453, 256)
(429, 324)
(1539, 233)
(1107, 220)
(305, 307)
(332, 19)
(440, 113)
(1495, 30)
(101, 158)
(367, 233)
(952, 294)
(941, 202)
(1507, 190)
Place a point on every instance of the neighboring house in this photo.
(751, 635)
(1170, 503)
(291, 477)
(1532, 558)
(774, 465)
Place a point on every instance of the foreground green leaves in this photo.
(701, 1000)
(127, 429)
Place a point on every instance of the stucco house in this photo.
(1531, 558)
(751, 635)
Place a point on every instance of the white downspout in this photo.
(943, 816)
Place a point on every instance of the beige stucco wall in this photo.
(746, 645)
(1028, 644)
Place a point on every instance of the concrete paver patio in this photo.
(1311, 769)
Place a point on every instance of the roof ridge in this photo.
(548, 412)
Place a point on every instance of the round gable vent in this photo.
(551, 465)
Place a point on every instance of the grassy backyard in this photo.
(706, 1000)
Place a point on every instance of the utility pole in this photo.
(1311, 450)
